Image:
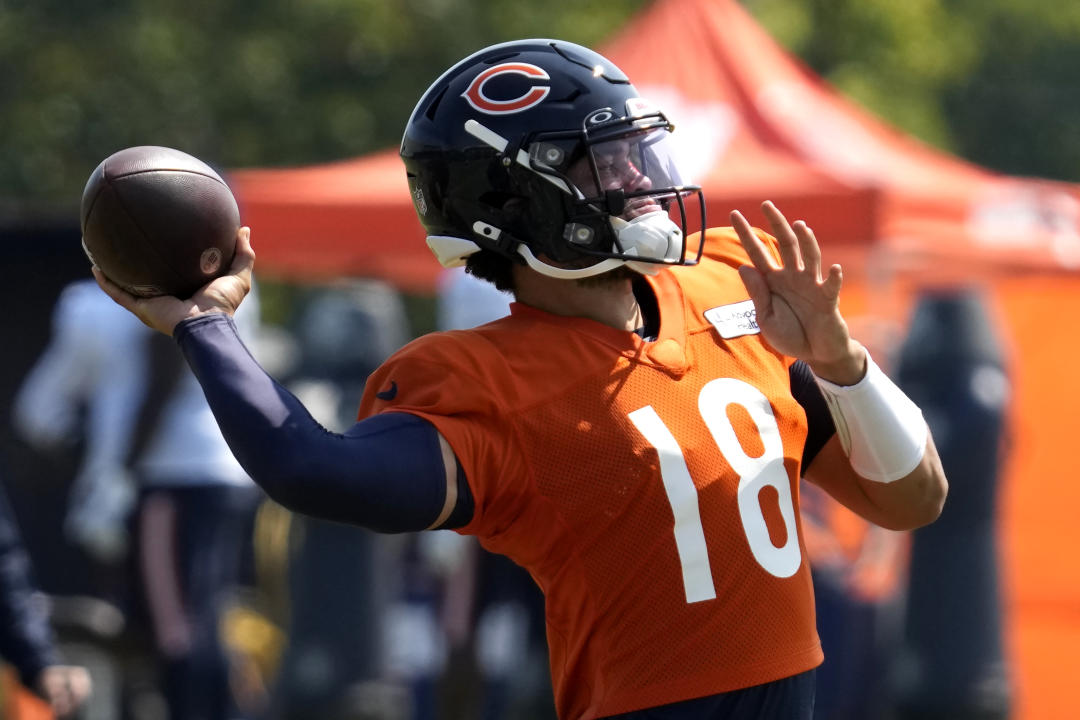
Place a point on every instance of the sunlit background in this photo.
(252, 87)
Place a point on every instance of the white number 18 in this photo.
(754, 474)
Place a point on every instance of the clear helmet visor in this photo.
(637, 179)
(641, 164)
(631, 201)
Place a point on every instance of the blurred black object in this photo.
(952, 364)
(40, 257)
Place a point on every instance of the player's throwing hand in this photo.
(797, 309)
(223, 294)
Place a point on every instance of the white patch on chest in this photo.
(734, 320)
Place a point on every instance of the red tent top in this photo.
(350, 218)
(925, 206)
(753, 123)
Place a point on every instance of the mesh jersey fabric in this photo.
(548, 416)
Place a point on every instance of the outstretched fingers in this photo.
(833, 281)
(800, 256)
(786, 239)
(753, 276)
(808, 248)
(799, 248)
(761, 258)
(811, 255)
(797, 245)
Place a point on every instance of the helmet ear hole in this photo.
(503, 209)
(496, 200)
(514, 207)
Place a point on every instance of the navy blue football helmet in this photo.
(543, 151)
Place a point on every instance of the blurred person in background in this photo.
(859, 572)
(616, 434)
(467, 633)
(503, 607)
(27, 642)
(955, 361)
(156, 476)
(66, 402)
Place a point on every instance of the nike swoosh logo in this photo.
(388, 394)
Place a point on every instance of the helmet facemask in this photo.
(617, 190)
(631, 202)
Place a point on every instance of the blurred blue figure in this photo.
(953, 363)
(26, 640)
(152, 447)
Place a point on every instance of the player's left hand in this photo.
(64, 687)
(223, 294)
(797, 309)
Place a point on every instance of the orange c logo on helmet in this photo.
(479, 100)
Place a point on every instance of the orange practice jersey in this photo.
(650, 488)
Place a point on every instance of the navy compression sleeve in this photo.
(820, 425)
(385, 473)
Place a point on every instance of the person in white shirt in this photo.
(152, 450)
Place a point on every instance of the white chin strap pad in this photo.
(882, 430)
(451, 251)
(653, 235)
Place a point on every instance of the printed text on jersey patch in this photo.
(734, 320)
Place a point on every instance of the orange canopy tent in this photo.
(755, 124)
(350, 218)
(761, 125)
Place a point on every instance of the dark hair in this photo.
(493, 267)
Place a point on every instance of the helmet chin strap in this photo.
(566, 273)
(493, 233)
(652, 235)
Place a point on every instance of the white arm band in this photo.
(881, 429)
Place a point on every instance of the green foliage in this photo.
(236, 82)
(895, 58)
(988, 79)
(1020, 105)
(285, 82)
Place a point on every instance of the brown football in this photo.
(158, 221)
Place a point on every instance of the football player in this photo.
(27, 642)
(634, 433)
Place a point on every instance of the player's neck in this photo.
(608, 301)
